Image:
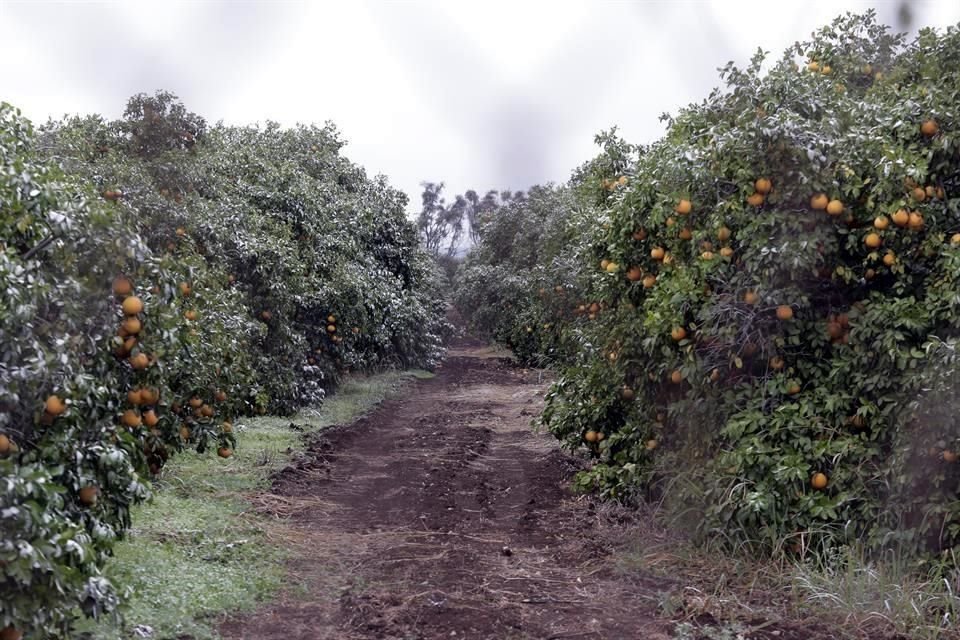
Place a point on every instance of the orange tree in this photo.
(521, 285)
(162, 278)
(776, 286)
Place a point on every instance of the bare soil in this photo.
(444, 515)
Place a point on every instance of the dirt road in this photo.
(442, 515)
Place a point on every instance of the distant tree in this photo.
(440, 226)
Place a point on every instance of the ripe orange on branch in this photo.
(55, 406)
(122, 286)
(929, 128)
(819, 481)
(132, 305)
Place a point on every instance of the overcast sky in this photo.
(490, 94)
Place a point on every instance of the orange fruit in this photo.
(649, 281)
(707, 255)
(657, 253)
(626, 393)
(755, 199)
(793, 389)
(890, 258)
(190, 315)
(220, 396)
(227, 427)
(678, 334)
(723, 234)
(915, 221)
(604, 263)
(763, 185)
(132, 305)
(122, 286)
(88, 495)
(901, 218)
(819, 201)
(130, 418)
(196, 402)
(685, 233)
(55, 406)
(869, 274)
(683, 207)
(949, 456)
(185, 432)
(819, 481)
(4, 445)
(331, 328)
(671, 221)
(929, 128)
(206, 411)
(676, 377)
(872, 240)
(612, 267)
(714, 375)
(331, 318)
(955, 238)
(651, 444)
(918, 194)
(132, 325)
(185, 289)
(639, 234)
(835, 207)
(634, 274)
(150, 418)
(784, 312)
(135, 397)
(881, 222)
(776, 363)
(668, 258)
(590, 436)
(726, 252)
(266, 315)
(10, 633)
(834, 330)
(751, 297)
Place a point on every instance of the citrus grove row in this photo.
(162, 278)
(755, 318)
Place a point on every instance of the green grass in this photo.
(196, 550)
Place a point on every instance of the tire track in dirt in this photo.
(443, 515)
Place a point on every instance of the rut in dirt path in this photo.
(443, 515)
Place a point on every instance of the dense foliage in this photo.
(162, 277)
(766, 317)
